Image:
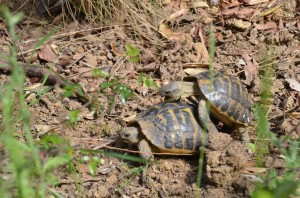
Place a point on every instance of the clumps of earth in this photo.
(225, 157)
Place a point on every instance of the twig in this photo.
(284, 112)
(40, 72)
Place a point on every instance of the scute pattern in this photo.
(172, 127)
(227, 94)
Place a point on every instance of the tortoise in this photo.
(166, 128)
(224, 94)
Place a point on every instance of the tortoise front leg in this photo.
(145, 150)
(146, 153)
(204, 117)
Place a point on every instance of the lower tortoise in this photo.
(227, 98)
(166, 127)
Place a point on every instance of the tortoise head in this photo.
(130, 135)
(178, 89)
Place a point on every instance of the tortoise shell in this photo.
(171, 127)
(229, 99)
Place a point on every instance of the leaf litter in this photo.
(244, 29)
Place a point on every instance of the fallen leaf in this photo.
(219, 37)
(238, 23)
(165, 30)
(202, 52)
(200, 4)
(177, 14)
(251, 71)
(46, 53)
(179, 37)
(294, 84)
(266, 26)
(32, 87)
(91, 60)
(184, 5)
(244, 13)
(64, 60)
(128, 119)
(193, 71)
(116, 51)
(253, 2)
(78, 56)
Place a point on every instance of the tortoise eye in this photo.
(127, 135)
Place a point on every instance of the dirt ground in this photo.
(245, 39)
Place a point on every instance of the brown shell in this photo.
(229, 99)
(172, 127)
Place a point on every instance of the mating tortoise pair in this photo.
(173, 127)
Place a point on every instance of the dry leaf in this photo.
(178, 14)
(128, 119)
(184, 5)
(116, 51)
(46, 53)
(64, 60)
(250, 69)
(78, 56)
(198, 65)
(193, 71)
(253, 2)
(202, 52)
(294, 84)
(179, 37)
(244, 13)
(200, 4)
(91, 60)
(266, 26)
(238, 23)
(165, 30)
(165, 2)
(32, 87)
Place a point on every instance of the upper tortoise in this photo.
(166, 127)
(228, 99)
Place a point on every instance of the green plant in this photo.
(133, 53)
(274, 185)
(29, 175)
(147, 80)
(93, 162)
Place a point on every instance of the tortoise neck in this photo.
(189, 89)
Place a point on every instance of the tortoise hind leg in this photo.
(205, 120)
(243, 132)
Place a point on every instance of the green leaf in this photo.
(55, 162)
(286, 189)
(126, 157)
(134, 59)
(99, 72)
(155, 84)
(148, 81)
(140, 78)
(252, 147)
(92, 167)
(73, 116)
(262, 193)
(48, 140)
(131, 51)
(125, 94)
(104, 85)
(112, 102)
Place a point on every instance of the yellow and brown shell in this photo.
(172, 127)
(228, 98)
